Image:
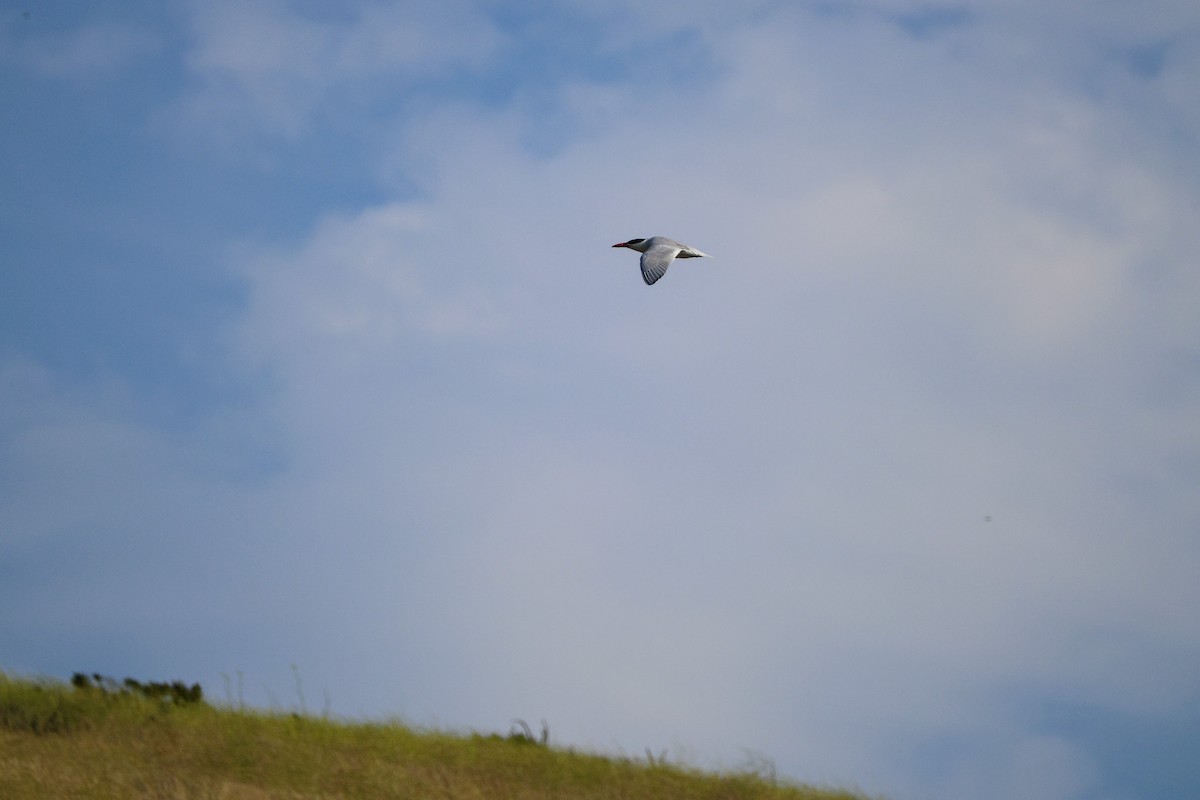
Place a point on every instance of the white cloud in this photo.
(362, 286)
(268, 67)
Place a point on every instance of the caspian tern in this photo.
(657, 254)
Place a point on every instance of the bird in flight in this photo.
(657, 254)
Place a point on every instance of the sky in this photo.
(321, 385)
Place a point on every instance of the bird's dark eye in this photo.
(635, 241)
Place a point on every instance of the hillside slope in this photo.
(129, 742)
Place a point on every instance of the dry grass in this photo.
(61, 742)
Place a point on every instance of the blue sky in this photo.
(314, 355)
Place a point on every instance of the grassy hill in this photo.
(99, 739)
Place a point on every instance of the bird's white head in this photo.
(634, 244)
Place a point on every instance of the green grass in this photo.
(84, 742)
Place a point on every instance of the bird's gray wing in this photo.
(656, 260)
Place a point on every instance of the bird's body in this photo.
(657, 254)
